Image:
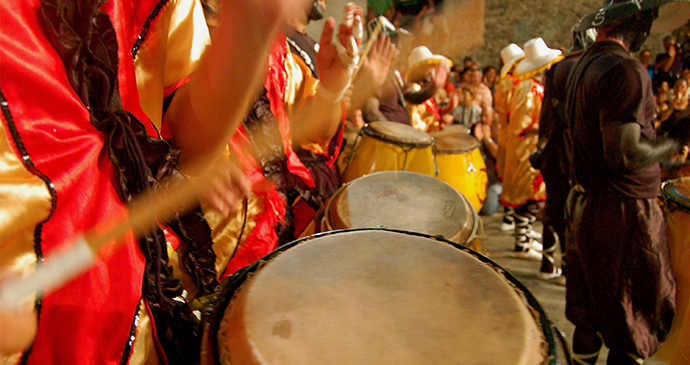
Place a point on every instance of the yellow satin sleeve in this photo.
(172, 50)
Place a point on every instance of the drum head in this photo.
(457, 128)
(403, 200)
(453, 141)
(397, 132)
(378, 297)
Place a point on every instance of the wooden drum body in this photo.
(675, 202)
(460, 163)
(389, 146)
(377, 296)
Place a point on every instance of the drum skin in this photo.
(459, 162)
(408, 201)
(389, 146)
(378, 297)
(676, 349)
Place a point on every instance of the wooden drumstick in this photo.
(374, 35)
(64, 265)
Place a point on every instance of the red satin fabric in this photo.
(88, 320)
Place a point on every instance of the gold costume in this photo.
(521, 182)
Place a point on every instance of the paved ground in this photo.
(551, 296)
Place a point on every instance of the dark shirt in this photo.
(553, 123)
(391, 104)
(607, 88)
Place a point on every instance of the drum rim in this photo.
(669, 192)
(371, 133)
(234, 282)
(437, 150)
(329, 224)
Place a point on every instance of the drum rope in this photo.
(406, 151)
(239, 237)
(352, 152)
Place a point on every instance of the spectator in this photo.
(489, 77)
(669, 64)
(646, 59)
(467, 113)
(483, 94)
(485, 132)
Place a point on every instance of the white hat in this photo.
(422, 56)
(509, 55)
(538, 57)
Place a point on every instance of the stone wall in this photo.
(481, 28)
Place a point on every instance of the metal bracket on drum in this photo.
(471, 168)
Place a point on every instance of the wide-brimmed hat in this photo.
(672, 14)
(509, 55)
(538, 57)
(420, 57)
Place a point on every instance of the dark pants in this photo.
(619, 280)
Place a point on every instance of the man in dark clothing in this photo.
(553, 157)
(620, 289)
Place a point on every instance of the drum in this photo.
(389, 146)
(675, 202)
(405, 200)
(459, 162)
(456, 128)
(377, 296)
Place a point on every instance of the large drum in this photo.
(380, 297)
(459, 162)
(405, 200)
(389, 146)
(675, 202)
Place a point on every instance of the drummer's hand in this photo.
(377, 63)
(17, 330)
(333, 74)
(227, 188)
(17, 327)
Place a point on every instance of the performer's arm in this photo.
(205, 112)
(319, 120)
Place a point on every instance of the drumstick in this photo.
(367, 48)
(64, 265)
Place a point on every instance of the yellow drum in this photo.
(405, 200)
(459, 162)
(389, 146)
(675, 202)
(377, 296)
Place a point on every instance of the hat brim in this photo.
(526, 68)
(433, 60)
(509, 65)
(672, 14)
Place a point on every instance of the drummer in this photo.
(264, 142)
(426, 74)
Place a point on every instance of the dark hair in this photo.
(487, 68)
